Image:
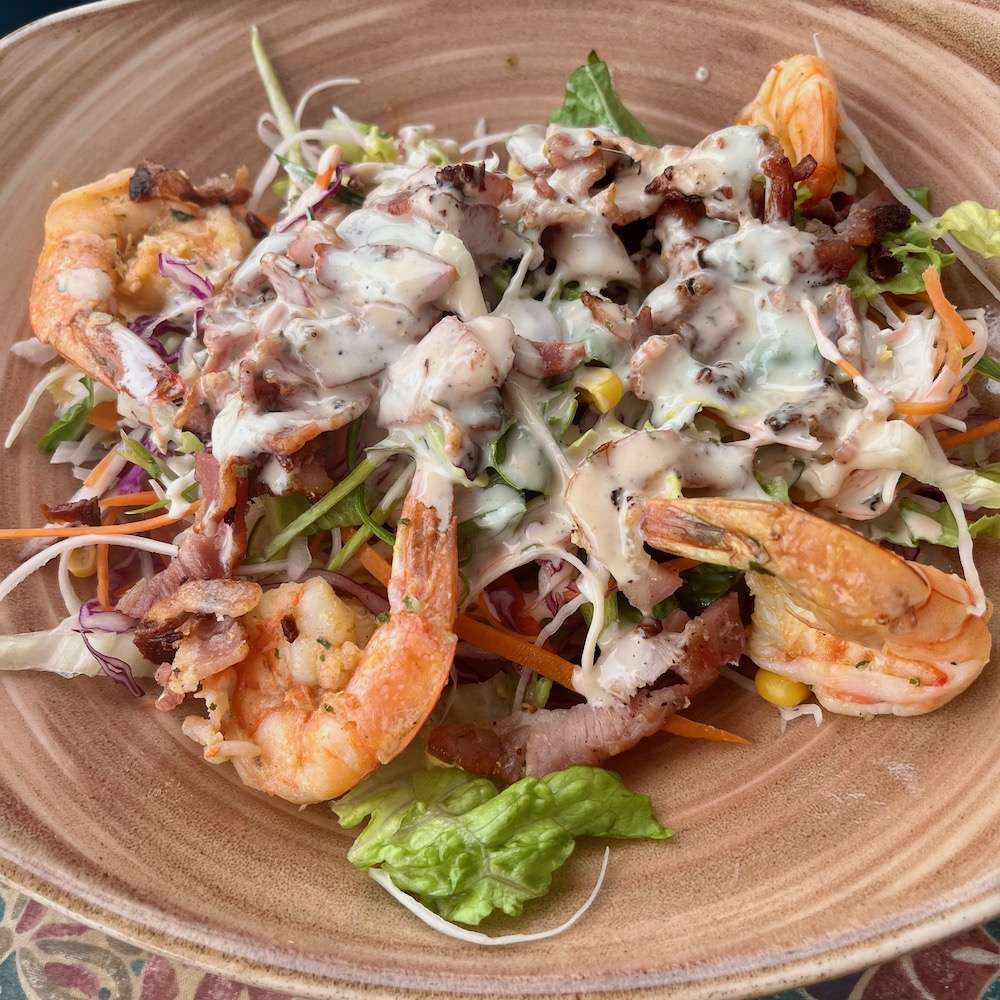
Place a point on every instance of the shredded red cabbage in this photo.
(285, 224)
(180, 272)
(151, 328)
(92, 619)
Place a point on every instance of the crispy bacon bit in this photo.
(150, 180)
(835, 257)
(779, 192)
(80, 512)
(804, 169)
(210, 646)
(157, 641)
(872, 217)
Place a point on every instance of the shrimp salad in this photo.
(426, 480)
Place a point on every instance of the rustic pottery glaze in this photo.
(806, 855)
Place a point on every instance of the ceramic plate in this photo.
(811, 853)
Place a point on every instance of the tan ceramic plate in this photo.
(805, 856)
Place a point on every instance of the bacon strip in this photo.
(537, 743)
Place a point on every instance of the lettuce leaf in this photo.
(591, 101)
(465, 848)
(919, 519)
(914, 249)
(972, 224)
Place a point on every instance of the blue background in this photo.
(14, 14)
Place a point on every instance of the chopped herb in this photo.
(325, 643)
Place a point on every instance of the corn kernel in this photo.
(601, 387)
(82, 561)
(780, 690)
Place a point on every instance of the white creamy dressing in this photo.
(716, 312)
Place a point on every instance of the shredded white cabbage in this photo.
(451, 930)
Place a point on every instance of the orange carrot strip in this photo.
(891, 302)
(104, 415)
(375, 564)
(130, 499)
(945, 310)
(98, 470)
(925, 408)
(973, 434)
(516, 649)
(846, 366)
(103, 567)
(680, 726)
(131, 528)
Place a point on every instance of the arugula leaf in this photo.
(591, 101)
(71, 425)
(465, 848)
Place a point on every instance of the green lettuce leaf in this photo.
(591, 101)
(465, 848)
(914, 249)
(972, 224)
(71, 425)
(918, 519)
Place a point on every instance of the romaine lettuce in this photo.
(465, 848)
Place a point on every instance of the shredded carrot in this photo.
(846, 366)
(972, 434)
(680, 726)
(945, 310)
(72, 531)
(98, 470)
(516, 649)
(924, 408)
(323, 180)
(891, 302)
(375, 564)
(130, 499)
(103, 566)
(104, 415)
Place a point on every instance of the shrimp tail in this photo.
(408, 660)
(827, 570)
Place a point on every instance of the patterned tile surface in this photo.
(45, 956)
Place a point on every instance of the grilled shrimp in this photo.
(99, 269)
(309, 712)
(797, 103)
(870, 632)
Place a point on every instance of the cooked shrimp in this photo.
(872, 633)
(309, 712)
(797, 103)
(99, 269)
